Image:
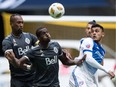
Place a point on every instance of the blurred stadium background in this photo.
(70, 27)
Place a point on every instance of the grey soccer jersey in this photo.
(46, 64)
(19, 45)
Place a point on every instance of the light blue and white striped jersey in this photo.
(85, 75)
(89, 45)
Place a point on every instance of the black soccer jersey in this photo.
(19, 45)
(45, 61)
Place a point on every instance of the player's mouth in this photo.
(94, 37)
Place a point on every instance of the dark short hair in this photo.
(38, 31)
(92, 22)
(12, 16)
(98, 25)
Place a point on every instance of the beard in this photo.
(19, 31)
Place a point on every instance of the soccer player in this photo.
(16, 44)
(88, 28)
(85, 74)
(88, 34)
(44, 58)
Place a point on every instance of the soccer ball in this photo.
(56, 10)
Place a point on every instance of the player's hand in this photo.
(67, 54)
(111, 74)
(9, 55)
(79, 62)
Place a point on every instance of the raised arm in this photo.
(91, 61)
(66, 59)
(87, 47)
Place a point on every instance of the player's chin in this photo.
(47, 40)
(95, 39)
(19, 31)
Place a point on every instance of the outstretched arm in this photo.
(91, 61)
(86, 45)
(66, 59)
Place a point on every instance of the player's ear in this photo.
(103, 34)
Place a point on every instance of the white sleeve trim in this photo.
(91, 61)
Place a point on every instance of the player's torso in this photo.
(46, 57)
(98, 54)
(21, 44)
(47, 65)
(86, 71)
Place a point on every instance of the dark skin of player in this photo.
(44, 40)
(16, 23)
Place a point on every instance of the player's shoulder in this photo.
(54, 43)
(8, 38)
(87, 40)
(26, 34)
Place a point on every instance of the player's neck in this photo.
(16, 34)
(43, 45)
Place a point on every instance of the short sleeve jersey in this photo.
(45, 61)
(19, 45)
(89, 45)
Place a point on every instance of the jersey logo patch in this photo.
(42, 54)
(27, 40)
(55, 50)
(88, 45)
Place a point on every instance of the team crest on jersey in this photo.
(88, 45)
(27, 40)
(55, 50)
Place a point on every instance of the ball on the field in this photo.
(56, 10)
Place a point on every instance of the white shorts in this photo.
(79, 78)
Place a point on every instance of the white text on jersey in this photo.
(51, 61)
